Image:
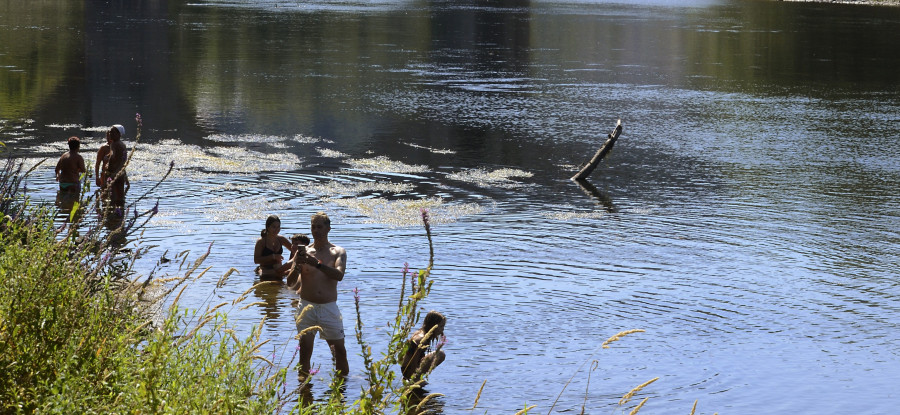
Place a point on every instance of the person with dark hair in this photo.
(70, 167)
(423, 349)
(269, 249)
(299, 242)
(118, 155)
(320, 270)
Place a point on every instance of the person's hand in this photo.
(299, 255)
(311, 260)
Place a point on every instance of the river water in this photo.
(747, 219)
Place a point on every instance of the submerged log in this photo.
(601, 153)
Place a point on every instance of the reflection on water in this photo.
(65, 202)
(267, 299)
(747, 219)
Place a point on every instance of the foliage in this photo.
(79, 335)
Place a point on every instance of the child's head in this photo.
(74, 144)
(299, 239)
(432, 319)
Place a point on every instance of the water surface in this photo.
(747, 219)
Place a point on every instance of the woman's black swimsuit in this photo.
(266, 252)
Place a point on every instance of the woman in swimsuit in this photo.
(269, 248)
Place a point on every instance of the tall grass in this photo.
(80, 334)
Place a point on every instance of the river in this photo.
(748, 218)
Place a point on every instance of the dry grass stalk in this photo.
(212, 310)
(257, 285)
(225, 277)
(258, 357)
(619, 335)
(191, 334)
(256, 347)
(637, 389)
(694, 409)
(525, 411)
(638, 408)
(302, 313)
(258, 330)
(307, 330)
(426, 399)
(478, 396)
(253, 304)
(414, 386)
(204, 272)
(178, 296)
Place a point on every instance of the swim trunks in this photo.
(327, 316)
(69, 186)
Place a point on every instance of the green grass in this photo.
(77, 334)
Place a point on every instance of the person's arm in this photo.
(293, 280)
(101, 153)
(81, 166)
(58, 167)
(335, 272)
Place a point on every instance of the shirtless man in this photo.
(102, 161)
(118, 155)
(69, 167)
(320, 270)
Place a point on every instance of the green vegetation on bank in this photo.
(75, 335)
(79, 333)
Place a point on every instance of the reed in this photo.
(618, 336)
(639, 406)
(478, 395)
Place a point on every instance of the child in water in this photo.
(423, 349)
(299, 242)
(69, 167)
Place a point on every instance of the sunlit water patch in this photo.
(329, 153)
(500, 178)
(407, 212)
(383, 164)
